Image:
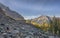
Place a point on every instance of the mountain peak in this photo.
(42, 19)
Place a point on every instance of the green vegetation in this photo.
(55, 25)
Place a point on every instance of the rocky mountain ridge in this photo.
(10, 13)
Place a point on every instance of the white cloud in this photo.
(31, 17)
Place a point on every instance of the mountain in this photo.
(12, 25)
(10, 13)
(42, 19)
(42, 22)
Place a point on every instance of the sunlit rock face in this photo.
(42, 19)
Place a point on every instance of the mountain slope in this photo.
(42, 22)
(11, 13)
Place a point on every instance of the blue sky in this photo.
(34, 8)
